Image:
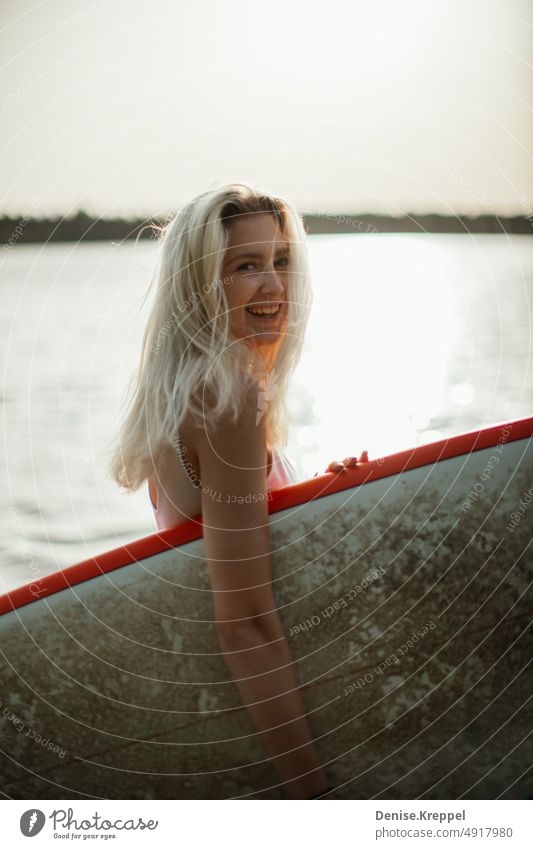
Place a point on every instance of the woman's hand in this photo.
(347, 463)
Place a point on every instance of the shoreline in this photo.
(85, 228)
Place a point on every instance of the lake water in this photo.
(412, 337)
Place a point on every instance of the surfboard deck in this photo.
(404, 586)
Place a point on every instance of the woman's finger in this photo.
(347, 463)
(335, 466)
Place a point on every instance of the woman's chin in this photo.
(266, 339)
(258, 339)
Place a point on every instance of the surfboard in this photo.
(404, 587)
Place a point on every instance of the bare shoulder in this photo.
(237, 434)
(232, 456)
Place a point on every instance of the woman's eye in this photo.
(282, 259)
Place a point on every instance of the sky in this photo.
(120, 107)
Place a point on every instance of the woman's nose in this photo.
(271, 280)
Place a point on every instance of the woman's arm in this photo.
(233, 459)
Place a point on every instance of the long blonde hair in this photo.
(187, 343)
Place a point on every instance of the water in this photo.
(412, 337)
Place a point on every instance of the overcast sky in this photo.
(123, 107)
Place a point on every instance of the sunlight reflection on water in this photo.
(412, 337)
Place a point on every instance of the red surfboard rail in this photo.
(289, 496)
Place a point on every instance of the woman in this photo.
(206, 426)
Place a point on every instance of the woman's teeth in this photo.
(264, 312)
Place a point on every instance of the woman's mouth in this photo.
(264, 312)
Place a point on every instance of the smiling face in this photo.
(255, 278)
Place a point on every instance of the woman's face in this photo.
(255, 278)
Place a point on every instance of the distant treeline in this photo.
(83, 227)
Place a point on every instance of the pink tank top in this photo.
(283, 471)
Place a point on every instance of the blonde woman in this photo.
(208, 415)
